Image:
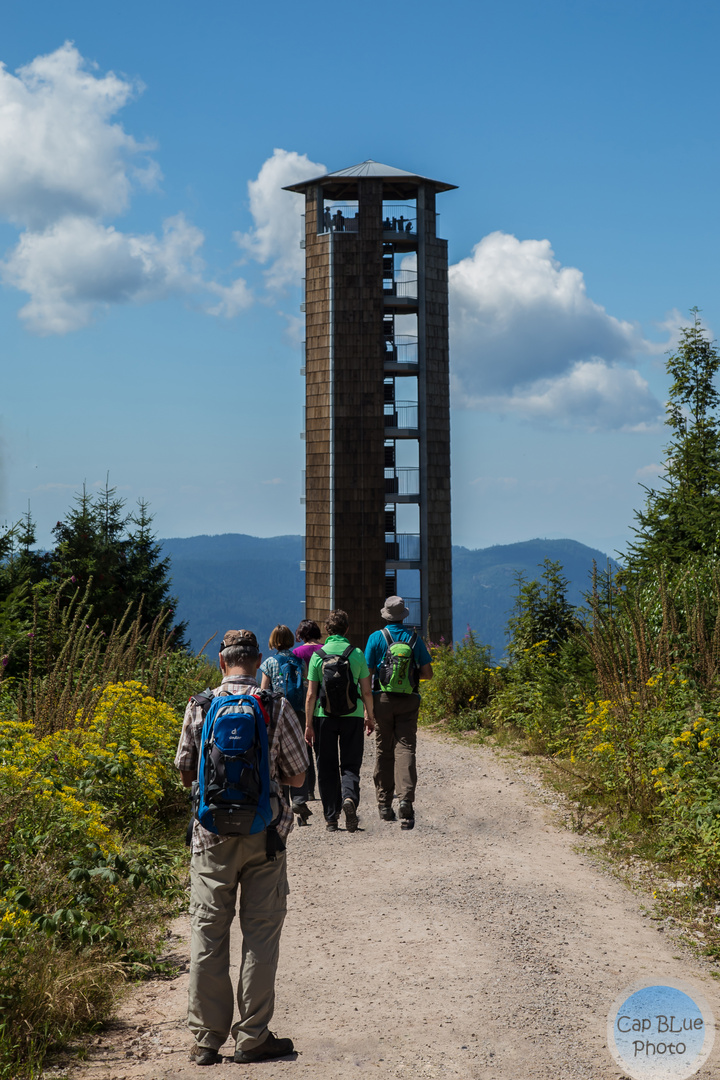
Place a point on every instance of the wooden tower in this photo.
(377, 423)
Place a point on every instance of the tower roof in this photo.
(343, 183)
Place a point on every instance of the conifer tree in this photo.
(681, 520)
(148, 575)
(98, 549)
(92, 550)
(21, 570)
(20, 564)
(542, 612)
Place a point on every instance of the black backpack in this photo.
(338, 689)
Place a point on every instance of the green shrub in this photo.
(688, 785)
(658, 757)
(463, 683)
(543, 694)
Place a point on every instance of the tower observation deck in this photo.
(377, 417)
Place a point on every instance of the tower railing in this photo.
(402, 547)
(402, 349)
(402, 415)
(403, 283)
(402, 481)
(414, 607)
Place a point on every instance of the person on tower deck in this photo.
(230, 854)
(338, 685)
(398, 659)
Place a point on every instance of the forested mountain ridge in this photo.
(234, 580)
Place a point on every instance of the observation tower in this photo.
(377, 414)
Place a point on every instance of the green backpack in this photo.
(398, 672)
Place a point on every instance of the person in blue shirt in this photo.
(396, 716)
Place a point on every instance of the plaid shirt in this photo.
(288, 752)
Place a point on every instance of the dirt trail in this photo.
(481, 944)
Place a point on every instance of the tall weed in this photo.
(71, 661)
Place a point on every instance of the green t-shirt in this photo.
(335, 646)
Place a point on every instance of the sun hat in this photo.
(395, 610)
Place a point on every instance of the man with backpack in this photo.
(237, 747)
(338, 685)
(398, 659)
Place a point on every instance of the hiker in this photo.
(338, 685)
(309, 641)
(240, 843)
(398, 659)
(284, 673)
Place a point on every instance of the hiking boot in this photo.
(350, 812)
(303, 812)
(386, 813)
(201, 1055)
(271, 1048)
(332, 826)
(406, 815)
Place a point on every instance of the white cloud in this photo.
(78, 266)
(527, 339)
(650, 472)
(60, 152)
(65, 167)
(234, 298)
(671, 326)
(593, 396)
(275, 236)
(518, 315)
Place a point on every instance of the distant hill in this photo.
(231, 581)
(484, 582)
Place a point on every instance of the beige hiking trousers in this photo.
(215, 875)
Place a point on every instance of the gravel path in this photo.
(481, 944)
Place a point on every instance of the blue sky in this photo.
(149, 271)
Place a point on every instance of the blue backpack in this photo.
(291, 669)
(235, 796)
